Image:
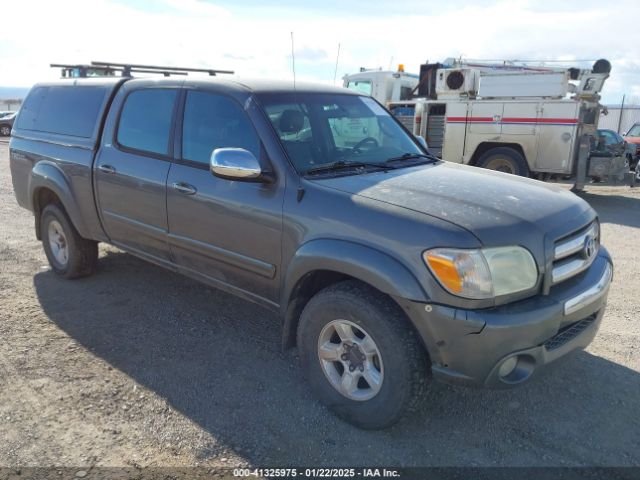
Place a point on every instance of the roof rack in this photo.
(109, 69)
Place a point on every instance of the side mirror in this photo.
(422, 141)
(235, 164)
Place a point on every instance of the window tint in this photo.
(604, 135)
(145, 121)
(30, 107)
(71, 110)
(213, 121)
(320, 129)
(610, 139)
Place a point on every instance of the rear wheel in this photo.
(504, 159)
(69, 255)
(360, 355)
(5, 130)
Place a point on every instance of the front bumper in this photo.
(469, 346)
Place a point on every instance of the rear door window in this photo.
(67, 110)
(145, 120)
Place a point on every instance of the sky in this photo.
(253, 37)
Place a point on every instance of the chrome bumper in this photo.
(591, 294)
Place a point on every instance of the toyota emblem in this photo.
(590, 247)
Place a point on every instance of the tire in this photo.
(402, 362)
(69, 255)
(504, 159)
(5, 130)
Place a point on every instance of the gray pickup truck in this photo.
(387, 266)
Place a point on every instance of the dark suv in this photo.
(387, 266)
(6, 123)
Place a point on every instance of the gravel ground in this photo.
(137, 366)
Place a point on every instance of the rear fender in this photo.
(46, 174)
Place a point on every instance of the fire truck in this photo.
(523, 120)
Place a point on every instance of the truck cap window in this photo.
(214, 121)
(145, 121)
(319, 129)
(64, 110)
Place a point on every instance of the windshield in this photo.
(634, 131)
(319, 129)
(360, 86)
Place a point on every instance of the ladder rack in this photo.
(110, 69)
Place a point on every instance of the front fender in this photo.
(48, 175)
(359, 261)
(338, 256)
(371, 266)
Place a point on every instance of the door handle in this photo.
(106, 169)
(184, 188)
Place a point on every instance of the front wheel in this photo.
(360, 355)
(5, 130)
(69, 255)
(504, 159)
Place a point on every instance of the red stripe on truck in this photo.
(568, 121)
(543, 121)
(470, 119)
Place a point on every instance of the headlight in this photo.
(483, 273)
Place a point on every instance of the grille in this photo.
(575, 253)
(569, 332)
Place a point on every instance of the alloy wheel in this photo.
(58, 243)
(350, 360)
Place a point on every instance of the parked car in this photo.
(633, 138)
(6, 124)
(387, 266)
(609, 142)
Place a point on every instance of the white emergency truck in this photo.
(524, 120)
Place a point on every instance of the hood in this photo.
(497, 208)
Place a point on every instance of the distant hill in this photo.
(13, 92)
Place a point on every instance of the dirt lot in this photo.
(141, 367)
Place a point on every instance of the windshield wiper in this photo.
(341, 164)
(414, 156)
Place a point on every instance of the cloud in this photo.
(196, 7)
(308, 54)
(254, 39)
(231, 56)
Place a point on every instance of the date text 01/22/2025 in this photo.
(316, 472)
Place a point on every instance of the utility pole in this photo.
(621, 113)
